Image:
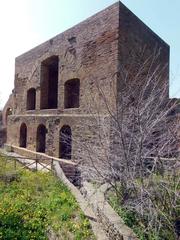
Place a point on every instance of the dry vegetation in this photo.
(136, 148)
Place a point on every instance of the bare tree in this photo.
(131, 142)
(133, 139)
(137, 117)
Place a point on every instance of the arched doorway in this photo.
(31, 99)
(65, 142)
(71, 93)
(23, 136)
(41, 138)
(49, 83)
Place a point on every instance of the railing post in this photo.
(14, 163)
(52, 161)
(36, 164)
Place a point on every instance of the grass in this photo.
(132, 220)
(33, 204)
(166, 204)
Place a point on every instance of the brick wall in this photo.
(93, 52)
(84, 57)
(2, 131)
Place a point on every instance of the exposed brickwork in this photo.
(91, 51)
(2, 131)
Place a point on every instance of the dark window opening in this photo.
(71, 93)
(65, 142)
(72, 40)
(23, 136)
(31, 99)
(41, 138)
(49, 83)
(8, 113)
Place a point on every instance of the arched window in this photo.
(8, 113)
(23, 136)
(41, 138)
(49, 83)
(31, 99)
(65, 142)
(71, 93)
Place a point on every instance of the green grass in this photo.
(165, 203)
(132, 220)
(33, 203)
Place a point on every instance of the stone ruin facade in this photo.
(2, 131)
(55, 91)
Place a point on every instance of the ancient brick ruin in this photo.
(54, 80)
(2, 131)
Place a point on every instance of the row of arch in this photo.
(49, 88)
(71, 96)
(65, 140)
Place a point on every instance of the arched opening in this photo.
(49, 83)
(41, 138)
(31, 99)
(23, 136)
(65, 142)
(8, 113)
(71, 93)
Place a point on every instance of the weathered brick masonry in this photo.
(2, 131)
(55, 83)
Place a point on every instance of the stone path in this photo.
(84, 205)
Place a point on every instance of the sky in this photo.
(27, 23)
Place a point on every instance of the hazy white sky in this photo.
(27, 23)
